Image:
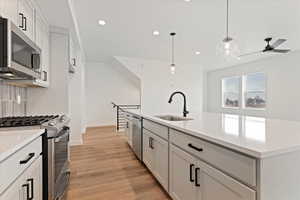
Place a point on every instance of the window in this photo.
(250, 88)
(254, 91)
(231, 92)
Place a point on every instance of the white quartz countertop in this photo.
(254, 136)
(13, 140)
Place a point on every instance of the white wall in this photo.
(65, 94)
(283, 80)
(157, 84)
(77, 101)
(55, 99)
(104, 84)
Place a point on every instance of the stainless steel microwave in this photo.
(19, 56)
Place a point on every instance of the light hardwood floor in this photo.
(104, 168)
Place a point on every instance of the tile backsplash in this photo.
(13, 100)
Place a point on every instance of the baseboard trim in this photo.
(105, 126)
(76, 142)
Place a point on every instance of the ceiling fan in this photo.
(270, 48)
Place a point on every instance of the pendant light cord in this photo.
(173, 49)
(227, 20)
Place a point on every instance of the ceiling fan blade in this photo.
(249, 54)
(281, 50)
(278, 43)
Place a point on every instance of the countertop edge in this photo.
(228, 145)
(13, 150)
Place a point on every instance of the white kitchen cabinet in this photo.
(156, 157)
(27, 9)
(42, 40)
(15, 191)
(192, 179)
(216, 185)
(128, 130)
(29, 184)
(182, 175)
(148, 154)
(9, 9)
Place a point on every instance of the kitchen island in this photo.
(223, 156)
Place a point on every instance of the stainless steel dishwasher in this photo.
(137, 137)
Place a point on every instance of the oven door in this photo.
(61, 162)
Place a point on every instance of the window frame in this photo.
(242, 93)
(239, 91)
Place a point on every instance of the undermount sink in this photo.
(173, 118)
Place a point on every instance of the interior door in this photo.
(216, 185)
(182, 175)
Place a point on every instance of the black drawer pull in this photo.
(27, 191)
(195, 148)
(191, 172)
(30, 156)
(196, 177)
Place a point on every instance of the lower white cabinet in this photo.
(182, 175)
(28, 186)
(193, 179)
(155, 157)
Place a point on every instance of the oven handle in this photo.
(66, 134)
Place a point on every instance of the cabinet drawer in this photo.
(236, 165)
(11, 168)
(155, 128)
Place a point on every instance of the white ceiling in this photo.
(200, 26)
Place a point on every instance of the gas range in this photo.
(53, 123)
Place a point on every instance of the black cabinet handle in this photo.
(197, 170)
(195, 148)
(32, 188)
(30, 156)
(74, 62)
(27, 190)
(25, 22)
(191, 172)
(151, 142)
(22, 23)
(45, 76)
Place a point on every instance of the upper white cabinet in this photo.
(27, 18)
(43, 40)
(10, 9)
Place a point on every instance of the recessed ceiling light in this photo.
(156, 33)
(187, 0)
(197, 52)
(101, 22)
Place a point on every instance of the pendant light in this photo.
(228, 47)
(173, 66)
